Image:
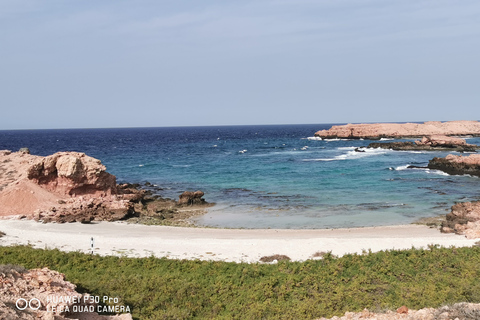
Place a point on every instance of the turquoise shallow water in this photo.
(267, 176)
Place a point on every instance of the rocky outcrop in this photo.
(191, 198)
(464, 218)
(401, 130)
(73, 187)
(441, 141)
(72, 173)
(457, 165)
(53, 297)
(429, 143)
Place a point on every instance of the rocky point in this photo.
(401, 130)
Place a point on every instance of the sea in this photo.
(267, 176)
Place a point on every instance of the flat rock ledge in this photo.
(429, 143)
(376, 131)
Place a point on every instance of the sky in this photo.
(96, 64)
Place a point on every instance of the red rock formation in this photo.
(63, 187)
(72, 173)
(54, 297)
(464, 218)
(404, 130)
(441, 140)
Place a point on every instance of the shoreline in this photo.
(230, 245)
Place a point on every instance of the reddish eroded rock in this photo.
(63, 187)
(73, 174)
(441, 140)
(401, 130)
(464, 218)
(55, 297)
(457, 165)
(191, 198)
(73, 187)
(402, 309)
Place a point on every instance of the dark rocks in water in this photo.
(411, 146)
(416, 167)
(359, 150)
(457, 165)
(191, 198)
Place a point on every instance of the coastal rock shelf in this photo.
(429, 143)
(457, 165)
(377, 131)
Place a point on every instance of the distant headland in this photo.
(375, 131)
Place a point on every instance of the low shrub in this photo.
(156, 288)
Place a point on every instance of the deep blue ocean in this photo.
(275, 176)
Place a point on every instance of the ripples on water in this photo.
(267, 176)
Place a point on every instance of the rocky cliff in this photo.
(401, 130)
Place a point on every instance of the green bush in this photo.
(181, 289)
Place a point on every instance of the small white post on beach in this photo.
(91, 244)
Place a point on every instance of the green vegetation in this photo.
(181, 289)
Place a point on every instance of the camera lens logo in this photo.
(33, 304)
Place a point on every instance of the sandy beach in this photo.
(238, 245)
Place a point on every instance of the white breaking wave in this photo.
(314, 138)
(326, 159)
(353, 155)
(437, 172)
(401, 168)
(337, 139)
(386, 139)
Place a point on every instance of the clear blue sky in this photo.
(79, 64)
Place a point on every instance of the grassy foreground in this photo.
(181, 289)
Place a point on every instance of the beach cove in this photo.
(279, 177)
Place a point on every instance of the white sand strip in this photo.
(247, 245)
